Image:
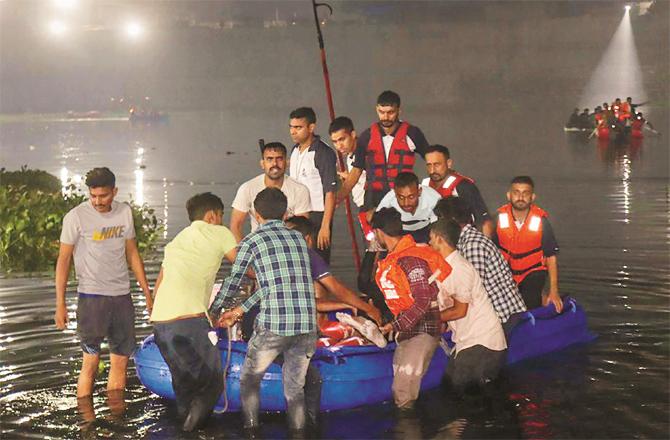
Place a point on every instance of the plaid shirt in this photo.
(280, 260)
(494, 271)
(423, 316)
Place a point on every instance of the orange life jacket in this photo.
(522, 248)
(392, 280)
(401, 158)
(449, 185)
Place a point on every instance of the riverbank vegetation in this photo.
(33, 206)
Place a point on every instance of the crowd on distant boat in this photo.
(619, 117)
(436, 258)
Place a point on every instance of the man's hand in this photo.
(374, 313)
(555, 299)
(150, 302)
(60, 317)
(323, 240)
(230, 317)
(386, 329)
(343, 174)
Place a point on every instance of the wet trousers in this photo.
(410, 362)
(195, 366)
(262, 350)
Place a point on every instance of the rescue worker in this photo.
(449, 183)
(343, 135)
(385, 150)
(526, 239)
(584, 121)
(573, 121)
(408, 277)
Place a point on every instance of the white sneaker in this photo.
(366, 327)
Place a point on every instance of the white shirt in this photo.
(358, 191)
(480, 325)
(422, 217)
(297, 196)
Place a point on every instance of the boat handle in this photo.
(573, 305)
(531, 317)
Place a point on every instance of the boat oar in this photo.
(593, 132)
(331, 109)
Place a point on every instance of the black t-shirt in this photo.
(469, 193)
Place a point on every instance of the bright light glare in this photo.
(627, 8)
(57, 28)
(134, 30)
(618, 73)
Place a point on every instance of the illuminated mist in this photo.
(618, 74)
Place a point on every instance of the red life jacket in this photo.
(449, 185)
(522, 248)
(401, 158)
(392, 280)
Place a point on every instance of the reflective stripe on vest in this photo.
(521, 247)
(392, 280)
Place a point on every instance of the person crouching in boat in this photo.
(182, 293)
(526, 239)
(286, 323)
(407, 278)
(481, 347)
(325, 283)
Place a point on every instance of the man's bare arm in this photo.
(457, 311)
(62, 272)
(137, 266)
(237, 219)
(349, 183)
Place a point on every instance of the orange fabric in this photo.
(401, 158)
(392, 280)
(447, 188)
(522, 248)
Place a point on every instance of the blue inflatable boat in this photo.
(356, 376)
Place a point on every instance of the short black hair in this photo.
(100, 177)
(388, 97)
(448, 230)
(405, 179)
(302, 225)
(629, 99)
(389, 221)
(453, 208)
(198, 205)
(306, 113)
(437, 148)
(271, 204)
(339, 123)
(524, 180)
(276, 146)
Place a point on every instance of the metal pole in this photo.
(331, 110)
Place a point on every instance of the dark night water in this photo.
(608, 205)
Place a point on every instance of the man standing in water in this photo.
(286, 323)
(449, 183)
(273, 162)
(407, 277)
(314, 164)
(526, 240)
(100, 234)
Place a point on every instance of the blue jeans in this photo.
(262, 350)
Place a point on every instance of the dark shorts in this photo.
(111, 317)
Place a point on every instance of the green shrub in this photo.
(31, 218)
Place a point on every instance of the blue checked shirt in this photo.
(494, 271)
(280, 260)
